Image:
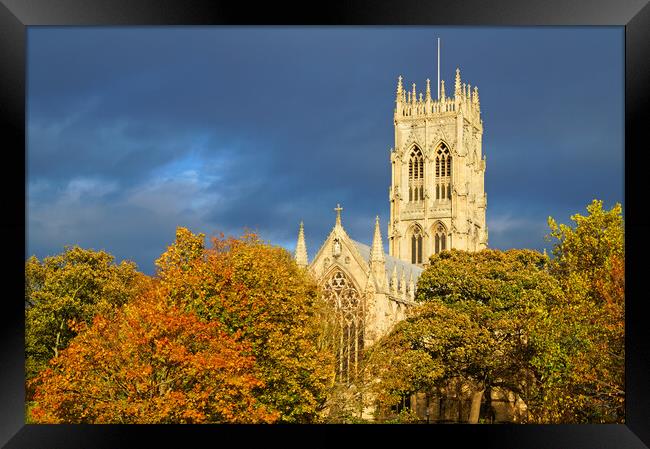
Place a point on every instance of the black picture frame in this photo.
(16, 15)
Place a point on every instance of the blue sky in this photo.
(134, 131)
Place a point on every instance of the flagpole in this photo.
(438, 68)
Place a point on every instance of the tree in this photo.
(473, 326)
(257, 291)
(74, 285)
(589, 262)
(150, 363)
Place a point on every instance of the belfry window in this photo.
(416, 175)
(344, 296)
(443, 173)
(416, 246)
(440, 238)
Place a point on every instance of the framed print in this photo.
(131, 123)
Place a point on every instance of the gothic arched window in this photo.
(440, 238)
(443, 173)
(416, 175)
(416, 246)
(344, 296)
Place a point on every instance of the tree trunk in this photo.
(58, 338)
(475, 409)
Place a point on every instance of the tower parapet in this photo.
(413, 105)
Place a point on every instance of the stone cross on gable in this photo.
(338, 210)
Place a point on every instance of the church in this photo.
(437, 202)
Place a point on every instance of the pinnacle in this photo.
(377, 248)
(301, 248)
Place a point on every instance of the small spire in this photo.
(420, 97)
(442, 90)
(428, 97)
(457, 84)
(377, 249)
(400, 88)
(469, 92)
(393, 279)
(301, 248)
(414, 96)
(475, 97)
(338, 210)
(411, 285)
(402, 287)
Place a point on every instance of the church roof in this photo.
(408, 268)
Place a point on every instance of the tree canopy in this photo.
(589, 263)
(151, 363)
(238, 332)
(74, 285)
(257, 290)
(474, 325)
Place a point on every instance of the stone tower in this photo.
(437, 196)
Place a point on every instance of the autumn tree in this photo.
(258, 292)
(473, 326)
(74, 285)
(589, 262)
(151, 362)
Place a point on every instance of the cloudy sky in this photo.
(134, 131)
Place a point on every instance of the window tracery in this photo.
(443, 173)
(416, 246)
(344, 296)
(440, 238)
(416, 175)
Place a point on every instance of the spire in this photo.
(475, 97)
(402, 286)
(457, 84)
(469, 92)
(442, 90)
(414, 96)
(400, 89)
(377, 260)
(428, 95)
(301, 248)
(393, 279)
(338, 210)
(411, 285)
(377, 249)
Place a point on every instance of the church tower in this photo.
(437, 196)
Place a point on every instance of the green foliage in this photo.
(589, 263)
(70, 287)
(583, 252)
(473, 324)
(405, 416)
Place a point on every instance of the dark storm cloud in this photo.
(133, 131)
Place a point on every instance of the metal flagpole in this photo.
(438, 68)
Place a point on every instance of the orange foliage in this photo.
(257, 290)
(151, 363)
